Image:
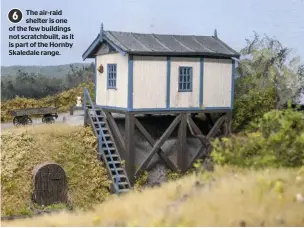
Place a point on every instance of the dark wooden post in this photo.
(129, 146)
(182, 161)
(86, 117)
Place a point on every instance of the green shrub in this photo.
(278, 142)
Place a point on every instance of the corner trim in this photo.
(201, 87)
(232, 84)
(95, 80)
(130, 82)
(168, 82)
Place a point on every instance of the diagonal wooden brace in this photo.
(206, 147)
(196, 132)
(158, 144)
(151, 141)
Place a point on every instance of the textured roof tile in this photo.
(149, 44)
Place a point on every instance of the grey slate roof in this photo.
(165, 45)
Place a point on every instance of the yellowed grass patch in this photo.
(230, 197)
(74, 148)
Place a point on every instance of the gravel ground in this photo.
(76, 119)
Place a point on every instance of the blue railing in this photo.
(101, 135)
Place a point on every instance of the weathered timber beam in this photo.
(216, 127)
(196, 132)
(151, 141)
(86, 117)
(182, 141)
(129, 147)
(158, 144)
(117, 135)
(203, 150)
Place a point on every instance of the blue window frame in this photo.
(111, 76)
(185, 79)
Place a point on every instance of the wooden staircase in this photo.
(107, 148)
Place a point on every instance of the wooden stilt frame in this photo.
(183, 121)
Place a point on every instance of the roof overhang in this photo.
(95, 45)
(185, 54)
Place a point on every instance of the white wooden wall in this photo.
(217, 83)
(112, 97)
(149, 82)
(184, 99)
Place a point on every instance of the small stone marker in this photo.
(50, 184)
(78, 102)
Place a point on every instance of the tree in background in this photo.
(268, 77)
(32, 85)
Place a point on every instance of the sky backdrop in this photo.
(235, 20)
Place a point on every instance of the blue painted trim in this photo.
(112, 107)
(95, 80)
(191, 79)
(201, 87)
(180, 109)
(232, 83)
(108, 71)
(162, 109)
(130, 82)
(168, 82)
(91, 48)
(215, 108)
(98, 40)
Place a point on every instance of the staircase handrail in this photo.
(101, 135)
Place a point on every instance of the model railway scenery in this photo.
(22, 116)
(187, 118)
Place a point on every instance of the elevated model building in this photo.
(177, 75)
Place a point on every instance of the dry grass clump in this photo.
(226, 198)
(74, 148)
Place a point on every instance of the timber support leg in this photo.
(182, 143)
(86, 117)
(158, 144)
(129, 147)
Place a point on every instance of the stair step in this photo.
(112, 155)
(119, 172)
(101, 122)
(108, 142)
(118, 169)
(123, 183)
(110, 148)
(125, 190)
(114, 162)
(103, 129)
(122, 177)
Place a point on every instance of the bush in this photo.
(250, 107)
(278, 142)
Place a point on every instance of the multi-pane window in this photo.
(112, 73)
(185, 79)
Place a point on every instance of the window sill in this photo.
(185, 91)
(109, 88)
